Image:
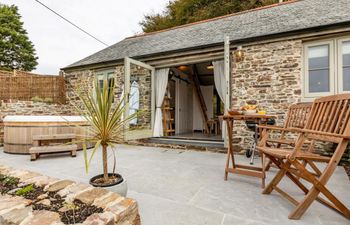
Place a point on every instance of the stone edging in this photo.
(16, 210)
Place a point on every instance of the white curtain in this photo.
(219, 79)
(161, 82)
(134, 101)
(221, 86)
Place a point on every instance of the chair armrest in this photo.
(322, 133)
(273, 128)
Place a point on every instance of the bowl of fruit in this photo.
(249, 109)
(233, 112)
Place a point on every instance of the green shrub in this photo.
(8, 180)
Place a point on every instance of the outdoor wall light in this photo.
(210, 66)
(239, 55)
(183, 68)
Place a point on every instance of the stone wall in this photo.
(34, 108)
(270, 74)
(85, 79)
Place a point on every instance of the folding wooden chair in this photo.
(329, 121)
(296, 118)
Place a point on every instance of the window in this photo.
(326, 67)
(105, 76)
(344, 65)
(319, 67)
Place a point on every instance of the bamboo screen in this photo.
(28, 86)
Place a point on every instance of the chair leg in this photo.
(297, 182)
(318, 186)
(276, 179)
(227, 162)
(314, 167)
(263, 170)
(268, 165)
(304, 204)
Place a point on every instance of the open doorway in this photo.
(192, 104)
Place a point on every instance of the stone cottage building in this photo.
(276, 55)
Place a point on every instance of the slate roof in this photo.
(275, 19)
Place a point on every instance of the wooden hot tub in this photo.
(19, 130)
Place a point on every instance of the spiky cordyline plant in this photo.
(106, 122)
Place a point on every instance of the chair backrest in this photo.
(331, 115)
(297, 115)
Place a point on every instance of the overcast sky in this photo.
(59, 44)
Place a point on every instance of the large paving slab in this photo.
(187, 187)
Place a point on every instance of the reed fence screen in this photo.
(26, 86)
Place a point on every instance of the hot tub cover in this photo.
(44, 119)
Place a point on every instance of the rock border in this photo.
(118, 210)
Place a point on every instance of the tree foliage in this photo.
(16, 50)
(179, 12)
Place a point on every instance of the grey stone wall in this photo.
(78, 81)
(271, 75)
(84, 79)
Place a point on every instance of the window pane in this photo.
(318, 57)
(346, 79)
(101, 84)
(110, 75)
(346, 53)
(110, 82)
(319, 81)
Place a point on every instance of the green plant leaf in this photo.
(25, 190)
(105, 117)
(97, 145)
(85, 158)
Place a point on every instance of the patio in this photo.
(187, 187)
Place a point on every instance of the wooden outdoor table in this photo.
(247, 170)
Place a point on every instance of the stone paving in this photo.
(187, 187)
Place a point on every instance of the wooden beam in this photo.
(200, 97)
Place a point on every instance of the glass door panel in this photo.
(345, 66)
(139, 96)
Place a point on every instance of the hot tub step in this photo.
(36, 151)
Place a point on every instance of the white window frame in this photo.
(103, 75)
(340, 64)
(312, 95)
